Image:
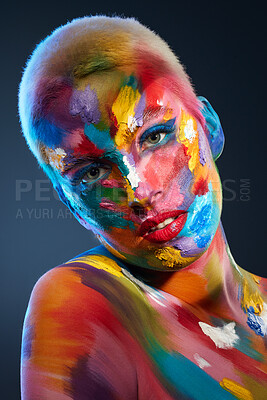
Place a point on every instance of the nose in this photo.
(144, 199)
(144, 194)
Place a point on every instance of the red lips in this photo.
(168, 232)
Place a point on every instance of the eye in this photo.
(93, 173)
(157, 134)
(155, 138)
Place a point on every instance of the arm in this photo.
(73, 344)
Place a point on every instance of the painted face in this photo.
(137, 169)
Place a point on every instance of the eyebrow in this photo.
(70, 162)
(153, 112)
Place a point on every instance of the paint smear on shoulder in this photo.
(223, 337)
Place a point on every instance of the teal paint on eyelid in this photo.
(168, 137)
(101, 138)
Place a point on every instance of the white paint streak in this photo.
(189, 130)
(223, 337)
(263, 317)
(156, 299)
(132, 123)
(132, 177)
(201, 362)
(55, 157)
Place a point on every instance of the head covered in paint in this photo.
(112, 118)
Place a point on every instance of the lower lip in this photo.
(169, 232)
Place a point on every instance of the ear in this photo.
(214, 130)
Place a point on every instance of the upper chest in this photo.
(199, 355)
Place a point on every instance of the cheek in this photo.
(165, 165)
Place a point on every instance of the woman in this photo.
(159, 310)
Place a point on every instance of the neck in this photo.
(214, 282)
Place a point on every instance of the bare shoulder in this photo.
(80, 281)
(70, 323)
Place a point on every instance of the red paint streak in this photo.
(87, 147)
(112, 206)
(179, 160)
(201, 187)
(153, 68)
(113, 123)
(111, 183)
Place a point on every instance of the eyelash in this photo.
(161, 129)
(79, 176)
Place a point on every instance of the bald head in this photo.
(96, 51)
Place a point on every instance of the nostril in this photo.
(138, 210)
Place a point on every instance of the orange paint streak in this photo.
(190, 287)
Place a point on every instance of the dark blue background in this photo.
(223, 48)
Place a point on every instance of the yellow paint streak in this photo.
(236, 389)
(214, 275)
(168, 114)
(256, 279)
(171, 257)
(216, 183)
(100, 262)
(129, 190)
(204, 172)
(123, 109)
(251, 298)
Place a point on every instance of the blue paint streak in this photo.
(101, 139)
(213, 125)
(202, 220)
(49, 134)
(255, 322)
(26, 349)
(188, 378)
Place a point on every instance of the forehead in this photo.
(118, 92)
(108, 110)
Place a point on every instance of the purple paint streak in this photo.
(201, 143)
(85, 103)
(139, 110)
(87, 384)
(187, 247)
